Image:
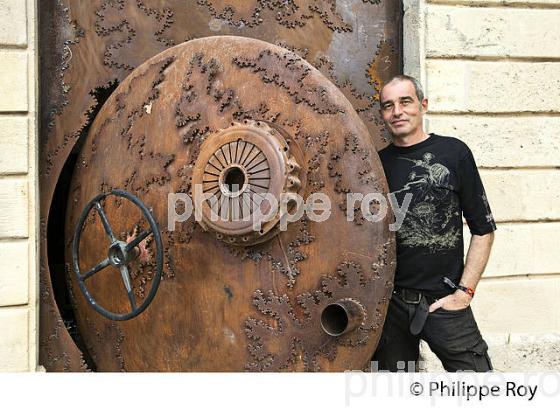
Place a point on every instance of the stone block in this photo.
(13, 81)
(14, 343)
(492, 87)
(14, 208)
(522, 249)
(504, 141)
(492, 32)
(523, 195)
(13, 23)
(14, 273)
(13, 145)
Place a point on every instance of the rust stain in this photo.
(379, 71)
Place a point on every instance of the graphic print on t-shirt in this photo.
(427, 222)
(489, 216)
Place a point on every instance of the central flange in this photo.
(239, 169)
(118, 254)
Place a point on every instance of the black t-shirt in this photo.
(441, 174)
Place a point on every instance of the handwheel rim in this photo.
(76, 256)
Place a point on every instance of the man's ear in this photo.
(424, 105)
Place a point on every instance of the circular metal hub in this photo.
(118, 255)
(240, 176)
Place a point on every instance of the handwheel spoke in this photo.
(132, 300)
(105, 221)
(100, 266)
(136, 241)
(128, 286)
(126, 278)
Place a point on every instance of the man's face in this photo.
(401, 110)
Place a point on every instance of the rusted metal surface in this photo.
(88, 48)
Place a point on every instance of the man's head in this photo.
(403, 106)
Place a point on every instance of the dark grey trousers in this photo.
(452, 335)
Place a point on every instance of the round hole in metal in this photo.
(334, 319)
(234, 179)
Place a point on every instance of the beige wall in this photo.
(18, 186)
(491, 70)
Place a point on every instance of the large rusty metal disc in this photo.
(311, 297)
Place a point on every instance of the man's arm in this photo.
(477, 258)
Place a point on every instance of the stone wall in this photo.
(491, 70)
(18, 186)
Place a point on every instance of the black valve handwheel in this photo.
(119, 255)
